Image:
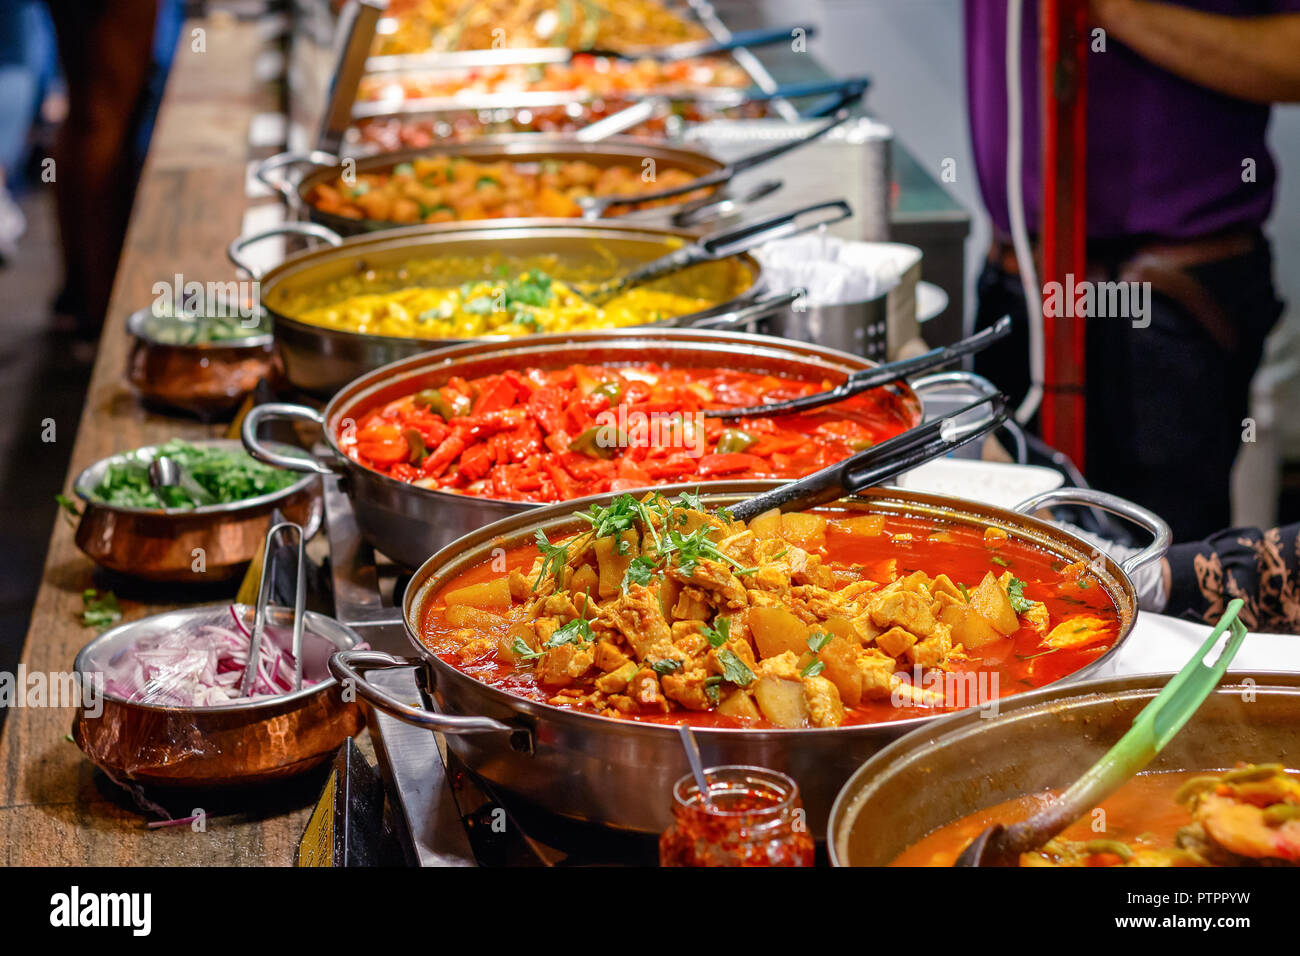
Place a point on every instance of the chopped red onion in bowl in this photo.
(202, 666)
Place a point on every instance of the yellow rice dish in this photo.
(416, 300)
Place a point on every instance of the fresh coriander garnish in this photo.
(577, 631)
(719, 633)
(712, 690)
(665, 665)
(818, 639)
(1001, 562)
(639, 571)
(554, 557)
(813, 669)
(734, 669)
(1016, 591)
(99, 609)
(521, 650)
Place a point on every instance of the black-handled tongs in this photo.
(870, 378)
(879, 463)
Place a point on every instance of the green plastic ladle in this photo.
(1152, 729)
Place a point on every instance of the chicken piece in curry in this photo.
(670, 612)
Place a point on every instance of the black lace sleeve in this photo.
(1261, 567)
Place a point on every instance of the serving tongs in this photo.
(546, 55)
(721, 245)
(841, 94)
(879, 463)
(593, 207)
(264, 597)
(869, 378)
(1152, 729)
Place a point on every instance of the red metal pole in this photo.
(1063, 236)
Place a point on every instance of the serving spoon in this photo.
(721, 245)
(867, 379)
(593, 207)
(1154, 727)
(167, 472)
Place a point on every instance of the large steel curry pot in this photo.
(408, 523)
(620, 773)
(320, 169)
(1046, 739)
(320, 360)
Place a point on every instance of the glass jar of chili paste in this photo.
(753, 817)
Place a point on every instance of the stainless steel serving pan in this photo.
(320, 360)
(619, 773)
(319, 168)
(408, 523)
(1043, 740)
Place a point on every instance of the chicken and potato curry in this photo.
(670, 612)
(1248, 816)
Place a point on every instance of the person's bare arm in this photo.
(1252, 58)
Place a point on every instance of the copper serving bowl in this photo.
(263, 738)
(208, 379)
(163, 544)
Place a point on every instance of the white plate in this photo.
(990, 482)
(930, 301)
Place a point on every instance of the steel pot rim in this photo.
(1058, 695)
(520, 526)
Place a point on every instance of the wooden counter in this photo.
(54, 807)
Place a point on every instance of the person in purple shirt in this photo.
(1179, 183)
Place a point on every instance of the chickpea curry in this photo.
(1248, 816)
(666, 611)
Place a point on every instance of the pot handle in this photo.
(979, 385)
(349, 665)
(280, 410)
(310, 229)
(1092, 498)
(746, 313)
(315, 157)
(936, 381)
